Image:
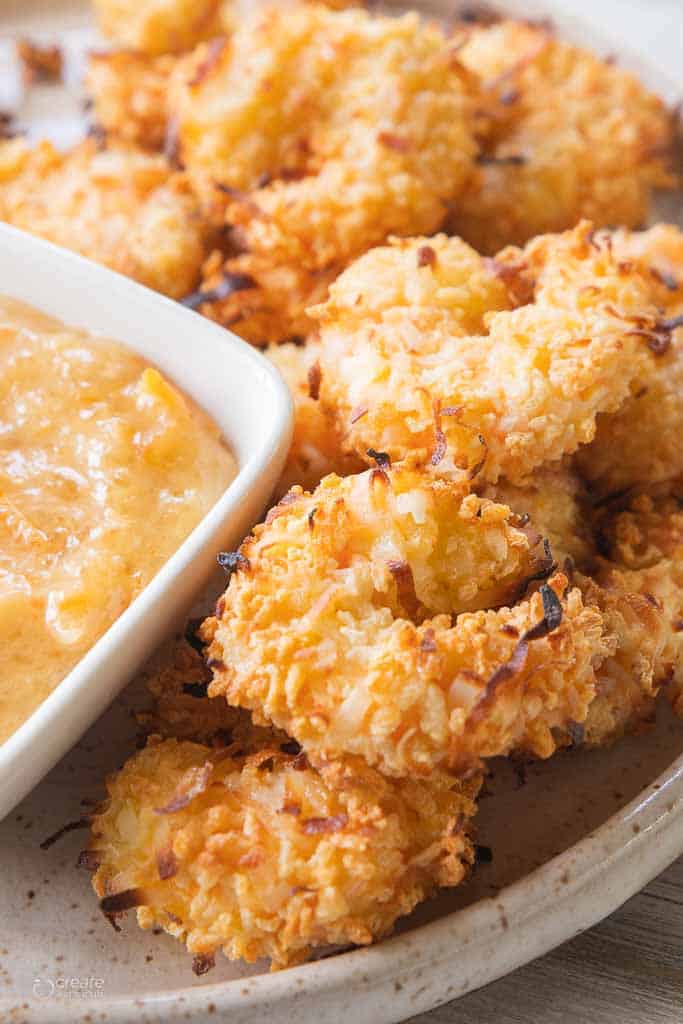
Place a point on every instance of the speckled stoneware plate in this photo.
(571, 840)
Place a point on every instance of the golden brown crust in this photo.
(345, 161)
(411, 364)
(129, 92)
(642, 442)
(628, 680)
(156, 27)
(642, 535)
(569, 136)
(177, 680)
(555, 503)
(119, 206)
(265, 856)
(337, 627)
(316, 448)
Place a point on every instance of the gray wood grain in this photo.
(626, 970)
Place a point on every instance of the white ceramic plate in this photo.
(581, 835)
(243, 394)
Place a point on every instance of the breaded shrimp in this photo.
(641, 538)
(121, 207)
(629, 679)
(162, 26)
(265, 304)
(129, 94)
(316, 448)
(178, 679)
(266, 856)
(642, 442)
(569, 136)
(315, 134)
(404, 371)
(643, 527)
(337, 627)
(156, 27)
(553, 501)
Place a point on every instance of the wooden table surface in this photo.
(629, 968)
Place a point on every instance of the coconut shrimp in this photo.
(404, 371)
(644, 540)
(569, 135)
(263, 855)
(314, 134)
(642, 442)
(316, 448)
(121, 207)
(355, 620)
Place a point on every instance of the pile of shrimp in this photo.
(476, 543)
(310, 133)
(475, 589)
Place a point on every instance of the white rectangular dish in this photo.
(242, 393)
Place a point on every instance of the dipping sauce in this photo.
(105, 468)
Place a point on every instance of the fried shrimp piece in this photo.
(570, 136)
(337, 627)
(316, 448)
(325, 132)
(129, 93)
(642, 442)
(162, 26)
(554, 503)
(155, 27)
(417, 365)
(178, 680)
(120, 207)
(641, 535)
(297, 88)
(265, 304)
(644, 527)
(265, 856)
(629, 679)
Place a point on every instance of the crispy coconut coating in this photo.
(411, 364)
(297, 88)
(178, 680)
(554, 502)
(315, 134)
(265, 856)
(644, 538)
(156, 27)
(129, 93)
(265, 304)
(121, 207)
(569, 136)
(643, 527)
(316, 448)
(330, 627)
(162, 26)
(642, 442)
(629, 679)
